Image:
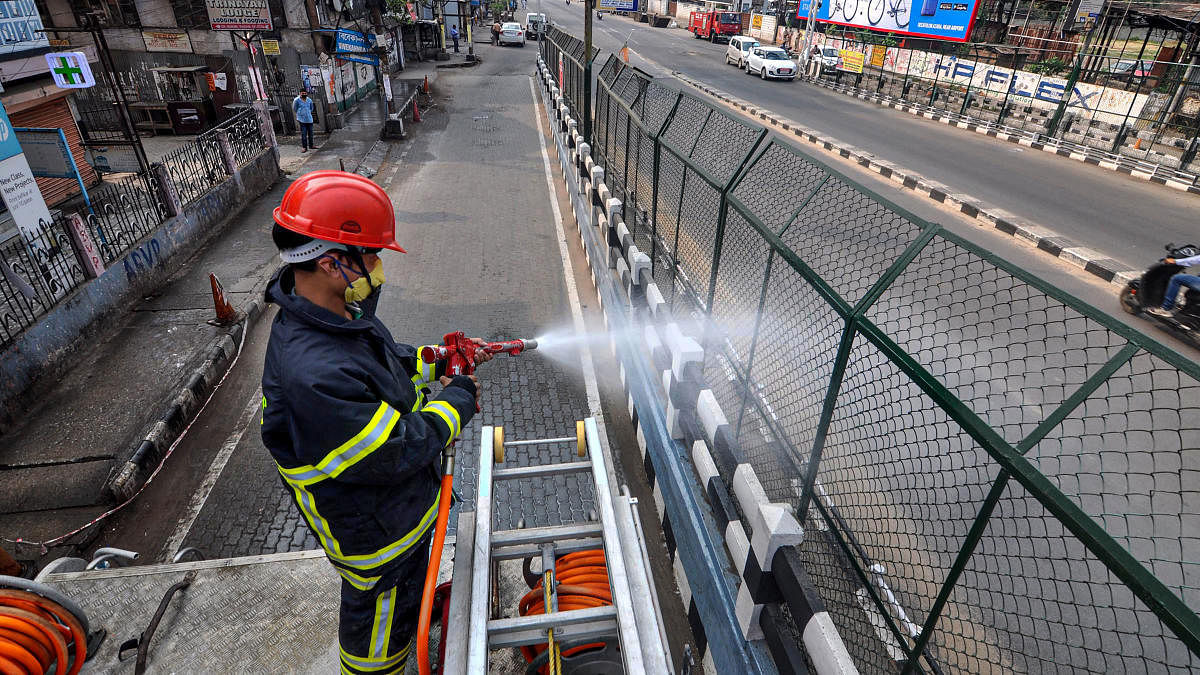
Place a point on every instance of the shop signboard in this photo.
(167, 41)
(941, 20)
(238, 14)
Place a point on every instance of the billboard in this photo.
(20, 27)
(938, 19)
(618, 5)
(238, 14)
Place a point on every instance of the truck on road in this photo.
(715, 25)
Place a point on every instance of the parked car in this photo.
(829, 59)
(535, 24)
(738, 49)
(511, 33)
(771, 62)
(1127, 70)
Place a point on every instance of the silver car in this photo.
(511, 33)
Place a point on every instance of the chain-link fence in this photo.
(1123, 102)
(564, 53)
(992, 475)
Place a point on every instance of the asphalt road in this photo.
(1126, 219)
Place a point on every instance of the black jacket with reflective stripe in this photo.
(346, 420)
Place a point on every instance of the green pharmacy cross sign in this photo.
(70, 70)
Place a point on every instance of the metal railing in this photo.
(195, 168)
(36, 275)
(992, 475)
(245, 135)
(1137, 111)
(33, 278)
(123, 212)
(564, 53)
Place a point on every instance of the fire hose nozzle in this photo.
(529, 344)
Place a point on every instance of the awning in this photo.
(178, 69)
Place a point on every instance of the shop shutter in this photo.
(56, 114)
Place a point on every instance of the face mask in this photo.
(360, 289)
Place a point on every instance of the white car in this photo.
(535, 23)
(771, 62)
(738, 49)
(511, 33)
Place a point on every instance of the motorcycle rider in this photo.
(1177, 281)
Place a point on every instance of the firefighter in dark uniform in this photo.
(347, 415)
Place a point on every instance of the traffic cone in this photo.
(416, 113)
(425, 87)
(225, 312)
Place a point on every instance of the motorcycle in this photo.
(1148, 290)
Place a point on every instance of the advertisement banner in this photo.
(618, 5)
(878, 55)
(270, 47)
(925, 18)
(20, 24)
(167, 41)
(850, 60)
(238, 14)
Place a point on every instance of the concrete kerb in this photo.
(1044, 239)
(124, 482)
(694, 417)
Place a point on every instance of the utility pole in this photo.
(381, 58)
(587, 71)
(808, 33)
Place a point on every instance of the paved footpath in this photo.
(85, 422)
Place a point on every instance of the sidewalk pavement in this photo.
(87, 424)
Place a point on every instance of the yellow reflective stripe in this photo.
(425, 371)
(360, 582)
(419, 402)
(373, 664)
(262, 420)
(308, 508)
(377, 431)
(385, 603)
(448, 414)
(394, 550)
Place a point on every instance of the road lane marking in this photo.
(171, 548)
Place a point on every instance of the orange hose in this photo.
(37, 628)
(39, 651)
(68, 629)
(582, 579)
(431, 574)
(10, 668)
(15, 652)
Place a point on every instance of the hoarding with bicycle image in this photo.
(942, 20)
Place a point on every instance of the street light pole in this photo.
(808, 31)
(587, 71)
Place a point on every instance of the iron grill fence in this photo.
(992, 475)
(33, 278)
(245, 135)
(195, 168)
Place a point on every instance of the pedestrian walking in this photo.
(454, 37)
(347, 414)
(496, 33)
(302, 108)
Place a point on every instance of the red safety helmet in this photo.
(341, 207)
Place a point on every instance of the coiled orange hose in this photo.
(582, 584)
(37, 635)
